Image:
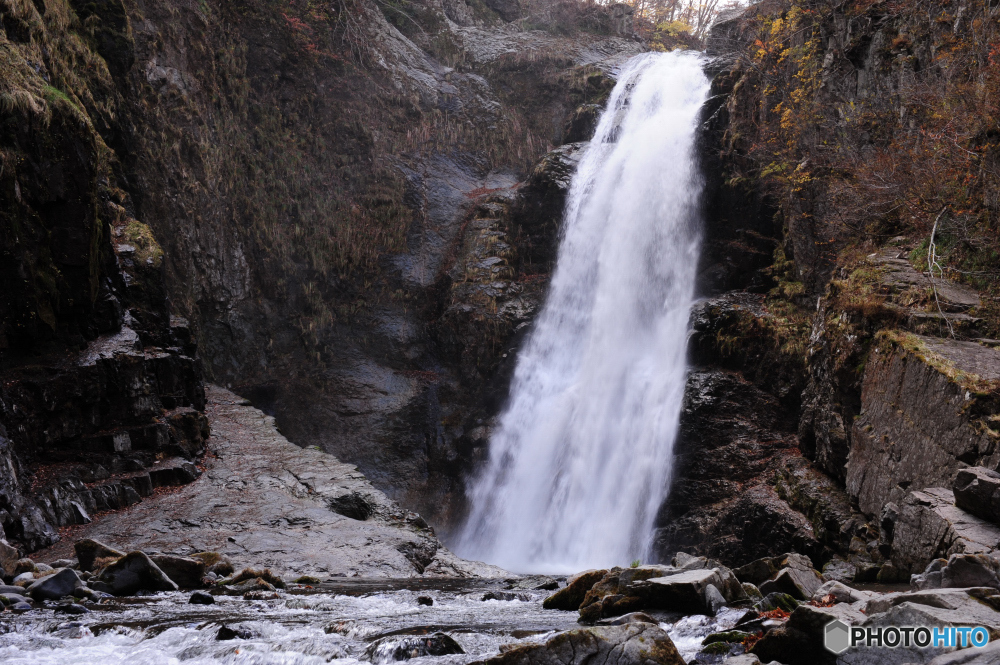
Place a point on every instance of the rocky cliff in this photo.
(338, 211)
(846, 366)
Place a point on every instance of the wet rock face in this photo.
(918, 426)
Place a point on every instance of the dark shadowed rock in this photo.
(186, 572)
(57, 586)
(800, 584)
(425, 600)
(571, 596)
(201, 598)
(404, 648)
(505, 595)
(238, 633)
(800, 640)
(71, 608)
(133, 572)
(633, 643)
(977, 491)
(88, 551)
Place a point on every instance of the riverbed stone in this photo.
(632, 643)
(186, 572)
(88, 551)
(683, 592)
(800, 584)
(54, 587)
(201, 598)
(571, 596)
(396, 648)
(133, 572)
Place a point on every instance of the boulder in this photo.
(133, 572)
(54, 587)
(840, 570)
(839, 592)
(759, 571)
(714, 600)
(88, 551)
(185, 571)
(776, 601)
(682, 592)
(800, 640)
(959, 571)
(930, 526)
(798, 583)
(571, 596)
(977, 491)
(942, 607)
(636, 643)
(616, 585)
(533, 583)
(412, 646)
(201, 598)
(9, 557)
(252, 584)
(22, 566)
(24, 579)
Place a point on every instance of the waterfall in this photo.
(580, 460)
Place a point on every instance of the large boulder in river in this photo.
(687, 591)
(132, 573)
(54, 587)
(635, 643)
(571, 596)
(88, 551)
(185, 571)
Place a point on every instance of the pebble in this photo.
(21, 607)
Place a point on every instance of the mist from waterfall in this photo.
(581, 458)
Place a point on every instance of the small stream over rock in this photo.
(370, 621)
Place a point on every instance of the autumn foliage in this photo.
(874, 133)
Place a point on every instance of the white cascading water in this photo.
(580, 461)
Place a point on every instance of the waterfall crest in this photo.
(580, 460)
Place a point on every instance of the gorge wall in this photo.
(336, 211)
(849, 146)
